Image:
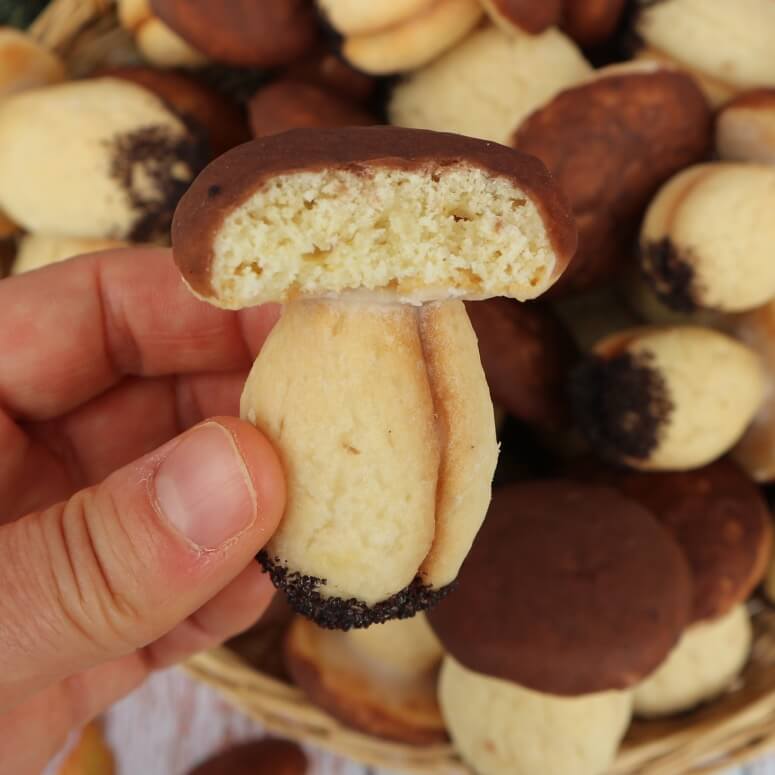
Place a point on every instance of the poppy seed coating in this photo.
(669, 275)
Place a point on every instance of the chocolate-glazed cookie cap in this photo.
(361, 155)
(268, 756)
(718, 517)
(569, 589)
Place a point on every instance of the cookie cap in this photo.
(406, 215)
(569, 589)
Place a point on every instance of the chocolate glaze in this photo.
(592, 22)
(248, 33)
(244, 170)
(336, 613)
(621, 405)
(756, 98)
(268, 756)
(569, 589)
(717, 515)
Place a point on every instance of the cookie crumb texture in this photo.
(383, 421)
(621, 404)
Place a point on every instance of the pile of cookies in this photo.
(451, 162)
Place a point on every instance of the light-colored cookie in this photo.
(354, 17)
(667, 398)
(500, 728)
(485, 86)
(38, 250)
(728, 45)
(100, 158)
(415, 41)
(755, 452)
(381, 680)
(745, 128)
(25, 64)
(156, 41)
(708, 238)
(708, 658)
(377, 405)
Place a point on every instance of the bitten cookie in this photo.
(380, 680)
(578, 595)
(611, 142)
(25, 64)
(666, 397)
(100, 158)
(506, 76)
(726, 46)
(700, 248)
(370, 385)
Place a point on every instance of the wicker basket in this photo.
(728, 732)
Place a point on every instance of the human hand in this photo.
(128, 519)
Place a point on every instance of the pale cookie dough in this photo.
(485, 86)
(708, 658)
(502, 729)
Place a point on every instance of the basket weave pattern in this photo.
(730, 731)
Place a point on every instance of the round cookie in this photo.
(706, 661)
(290, 104)
(414, 41)
(25, 64)
(610, 142)
(507, 75)
(100, 158)
(269, 756)
(727, 45)
(717, 515)
(745, 128)
(559, 562)
(504, 729)
(380, 680)
(643, 398)
(527, 354)
(694, 255)
(390, 458)
(243, 33)
(219, 120)
(38, 250)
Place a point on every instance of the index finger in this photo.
(71, 330)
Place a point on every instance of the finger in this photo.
(72, 330)
(57, 457)
(232, 611)
(119, 565)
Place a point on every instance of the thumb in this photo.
(120, 564)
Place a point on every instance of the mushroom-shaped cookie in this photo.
(726, 46)
(745, 128)
(244, 33)
(578, 594)
(380, 680)
(591, 22)
(708, 238)
(370, 385)
(38, 250)
(268, 756)
(720, 520)
(611, 142)
(25, 64)
(666, 397)
(291, 104)
(506, 76)
(385, 38)
(100, 158)
(525, 15)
